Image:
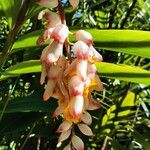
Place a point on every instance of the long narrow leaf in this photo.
(126, 41)
(121, 72)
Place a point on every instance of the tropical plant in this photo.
(120, 31)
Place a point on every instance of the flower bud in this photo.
(74, 109)
(60, 33)
(48, 3)
(43, 73)
(95, 55)
(81, 50)
(82, 69)
(84, 36)
(76, 86)
(49, 89)
(53, 53)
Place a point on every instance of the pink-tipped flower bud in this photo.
(76, 105)
(82, 69)
(49, 89)
(81, 50)
(95, 56)
(60, 33)
(48, 3)
(52, 18)
(84, 36)
(76, 86)
(53, 53)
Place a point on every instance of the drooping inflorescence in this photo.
(71, 82)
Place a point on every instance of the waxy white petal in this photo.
(76, 105)
(95, 55)
(49, 89)
(43, 74)
(64, 126)
(54, 52)
(77, 143)
(64, 135)
(86, 118)
(82, 69)
(84, 36)
(60, 33)
(85, 129)
(81, 50)
(76, 86)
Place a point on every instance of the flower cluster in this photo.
(70, 83)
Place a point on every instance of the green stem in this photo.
(25, 141)
(8, 98)
(12, 33)
(128, 14)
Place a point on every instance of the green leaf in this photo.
(116, 145)
(126, 41)
(126, 104)
(33, 10)
(23, 111)
(26, 41)
(144, 7)
(108, 70)
(22, 68)
(31, 103)
(124, 72)
(13, 122)
(141, 139)
(118, 112)
(11, 10)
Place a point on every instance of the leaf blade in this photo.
(108, 70)
(138, 43)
